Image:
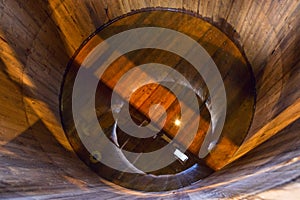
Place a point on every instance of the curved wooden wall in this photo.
(37, 40)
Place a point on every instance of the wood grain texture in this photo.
(36, 35)
(230, 62)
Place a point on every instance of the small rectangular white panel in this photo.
(180, 155)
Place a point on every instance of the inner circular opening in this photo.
(147, 103)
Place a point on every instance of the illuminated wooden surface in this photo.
(37, 40)
(228, 59)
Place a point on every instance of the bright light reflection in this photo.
(177, 122)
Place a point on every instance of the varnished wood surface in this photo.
(228, 59)
(37, 40)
